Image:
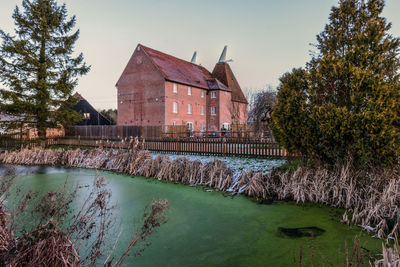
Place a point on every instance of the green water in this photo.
(206, 228)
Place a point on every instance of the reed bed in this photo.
(371, 199)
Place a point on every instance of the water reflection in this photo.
(29, 170)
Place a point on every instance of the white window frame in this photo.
(86, 115)
(213, 94)
(175, 88)
(189, 109)
(203, 93)
(190, 125)
(203, 126)
(226, 126)
(202, 111)
(175, 107)
(174, 123)
(189, 90)
(213, 111)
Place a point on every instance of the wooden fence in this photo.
(198, 146)
(218, 147)
(176, 131)
(114, 132)
(14, 141)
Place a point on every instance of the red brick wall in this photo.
(145, 98)
(225, 112)
(141, 97)
(240, 112)
(50, 132)
(213, 120)
(183, 99)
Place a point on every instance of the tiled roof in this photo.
(178, 70)
(223, 72)
(215, 84)
(184, 72)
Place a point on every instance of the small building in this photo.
(90, 115)
(159, 89)
(20, 127)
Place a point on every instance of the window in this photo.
(213, 111)
(175, 88)
(175, 107)
(203, 126)
(226, 126)
(213, 94)
(202, 110)
(174, 123)
(190, 126)
(189, 90)
(86, 116)
(202, 93)
(189, 109)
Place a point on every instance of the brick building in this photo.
(159, 89)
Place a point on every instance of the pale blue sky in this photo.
(265, 38)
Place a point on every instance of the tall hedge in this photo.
(346, 102)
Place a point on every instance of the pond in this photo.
(207, 228)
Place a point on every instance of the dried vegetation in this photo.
(57, 236)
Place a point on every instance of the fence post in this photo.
(79, 141)
(223, 146)
(178, 146)
(102, 143)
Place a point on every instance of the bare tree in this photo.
(234, 110)
(261, 108)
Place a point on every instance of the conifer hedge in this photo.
(346, 101)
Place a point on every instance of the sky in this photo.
(265, 38)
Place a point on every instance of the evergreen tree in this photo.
(38, 67)
(353, 89)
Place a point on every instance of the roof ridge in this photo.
(152, 61)
(177, 70)
(158, 51)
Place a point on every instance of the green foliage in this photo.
(291, 166)
(346, 103)
(38, 67)
(111, 115)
